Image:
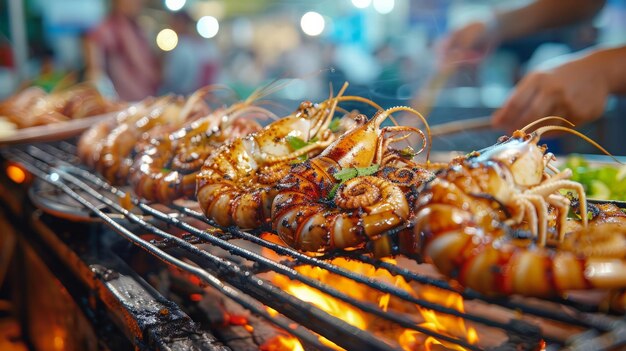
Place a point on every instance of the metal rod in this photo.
(234, 294)
(383, 287)
(442, 284)
(399, 319)
(519, 328)
(577, 319)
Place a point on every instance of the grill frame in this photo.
(48, 162)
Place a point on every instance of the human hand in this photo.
(576, 90)
(468, 44)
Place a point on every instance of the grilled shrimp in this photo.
(33, 106)
(112, 156)
(167, 169)
(469, 222)
(313, 211)
(491, 260)
(236, 183)
(91, 141)
(82, 101)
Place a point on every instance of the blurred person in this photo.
(576, 89)
(118, 51)
(193, 63)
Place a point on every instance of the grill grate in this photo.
(55, 165)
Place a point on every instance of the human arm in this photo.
(576, 90)
(544, 14)
(476, 38)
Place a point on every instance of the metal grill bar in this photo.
(383, 287)
(242, 299)
(581, 319)
(66, 151)
(521, 328)
(277, 267)
(402, 320)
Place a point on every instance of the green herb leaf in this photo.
(334, 125)
(346, 174)
(333, 191)
(367, 170)
(296, 143)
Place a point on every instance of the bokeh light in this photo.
(384, 6)
(167, 39)
(174, 5)
(312, 23)
(208, 26)
(16, 174)
(361, 4)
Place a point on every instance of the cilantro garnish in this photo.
(297, 143)
(348, 173)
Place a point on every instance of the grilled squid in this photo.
(109, 147)
(236, 183)
(167, 169)
(486, 219)
(314, 211)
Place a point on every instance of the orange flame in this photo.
(444, 323)
(383, 303)
(334, 307)
(408, 339)
(282, 343)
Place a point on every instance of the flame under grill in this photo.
(246, 284)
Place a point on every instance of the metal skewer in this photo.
(472, 124)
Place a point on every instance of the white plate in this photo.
(55, 131)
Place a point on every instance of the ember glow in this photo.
(406, 338)
(334, 307)
(282, 343)
(16, 174)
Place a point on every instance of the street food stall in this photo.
(298, 217)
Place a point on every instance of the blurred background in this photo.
(385, 49)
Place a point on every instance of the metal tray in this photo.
(55, 202)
